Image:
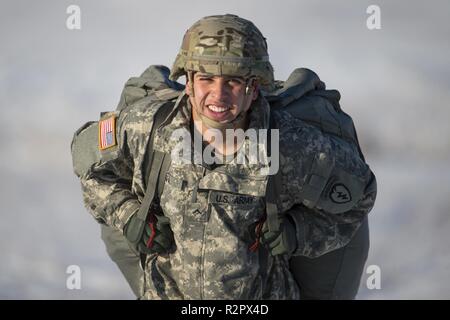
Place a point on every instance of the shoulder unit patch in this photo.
(340, 194)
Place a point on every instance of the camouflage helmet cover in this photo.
(224, 45)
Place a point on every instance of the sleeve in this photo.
(102, 161)
(319, 232)
(337, 190)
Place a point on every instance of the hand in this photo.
(284, 241)
(157, 236)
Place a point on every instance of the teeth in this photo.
(217, 109)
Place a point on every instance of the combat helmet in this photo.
(224, 45)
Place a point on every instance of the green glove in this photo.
(284, 241)
(157, 236)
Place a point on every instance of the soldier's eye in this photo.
(236, 81)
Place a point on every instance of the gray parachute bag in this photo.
(153, 83)
(304, 96)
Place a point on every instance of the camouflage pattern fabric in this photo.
(212, 259)
(224, 45)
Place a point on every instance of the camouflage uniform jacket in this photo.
(213, 211)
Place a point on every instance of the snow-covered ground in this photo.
(393, 81)
(409, 231)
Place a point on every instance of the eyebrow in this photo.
(206, 75)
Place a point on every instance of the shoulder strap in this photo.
(154, 169)
(272, 189)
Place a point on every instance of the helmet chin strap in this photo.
(235, 123)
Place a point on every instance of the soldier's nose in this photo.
(220, 90)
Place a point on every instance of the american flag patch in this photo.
(107, 133)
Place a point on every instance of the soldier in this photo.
(196, 228)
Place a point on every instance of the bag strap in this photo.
(273, 220)
(272, 188)
(136, 229)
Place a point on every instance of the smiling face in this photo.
(220, 98)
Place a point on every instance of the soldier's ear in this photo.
(188, 87)
(255, 87)
(190, 83)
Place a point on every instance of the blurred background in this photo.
(394, 83)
